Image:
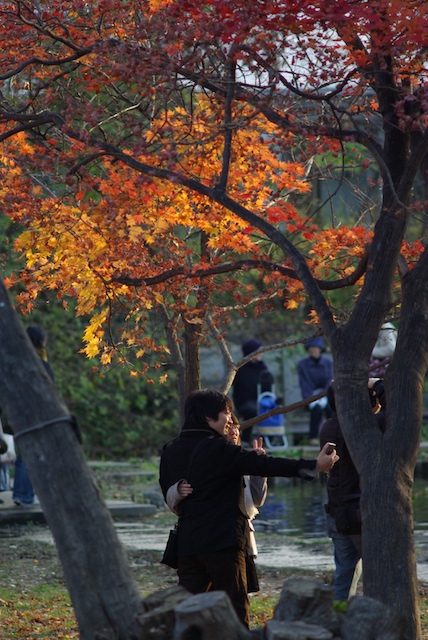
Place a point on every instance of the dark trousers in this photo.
(223, 570)
(22, 488)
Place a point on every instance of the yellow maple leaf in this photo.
(292, 304)
(106, 357)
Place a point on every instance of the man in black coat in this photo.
(251, 379)
(343, 492)
(211, 531)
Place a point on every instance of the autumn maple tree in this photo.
(141, 264)
(155, 150)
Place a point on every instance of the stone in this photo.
(158, 620)
(308, 601)
(276, 630)
(208, 616)
(367, 618)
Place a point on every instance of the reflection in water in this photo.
(296, 507)
(293, 508)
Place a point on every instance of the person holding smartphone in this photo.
(212, 529)
(343, 496)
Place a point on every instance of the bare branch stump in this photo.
(367, 618)
(276, 630)
(158, 620)
(208, 616)
(307, 601)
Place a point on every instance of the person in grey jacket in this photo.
(212, 528)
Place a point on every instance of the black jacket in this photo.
(343, 481)
(244, 388)
(210, 518)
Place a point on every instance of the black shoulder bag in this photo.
(170, 555)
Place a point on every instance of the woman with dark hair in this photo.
(212, 529)
(253, 495)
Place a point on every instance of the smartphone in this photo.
(331, 447)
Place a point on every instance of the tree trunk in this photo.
(105, 598)
(389, 562)
(386, 462)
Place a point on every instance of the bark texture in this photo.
(90, 552)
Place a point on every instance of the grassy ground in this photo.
(34, 602)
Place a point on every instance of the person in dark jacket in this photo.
(343, 487)
(252, 377)
(212, 528)
(254, 496)
(315, 374)
(23, 491)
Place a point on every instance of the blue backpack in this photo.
(265, 402)
(272, 429)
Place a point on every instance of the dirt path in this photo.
(275, 551)
(28, 558)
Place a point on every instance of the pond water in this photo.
(296, 508)
(291, 528)
(295, 511)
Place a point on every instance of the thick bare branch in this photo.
(242, 265)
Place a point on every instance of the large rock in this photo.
(367, 618)
(308, 601)
(158, 620)
(208, 616)
(276, 630)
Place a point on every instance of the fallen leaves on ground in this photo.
(25, 616)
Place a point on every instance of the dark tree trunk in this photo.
(386, 505)
(386, 462)
(87, 543)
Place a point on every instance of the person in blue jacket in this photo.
(315, 374)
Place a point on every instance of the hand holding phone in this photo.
(331, 447)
